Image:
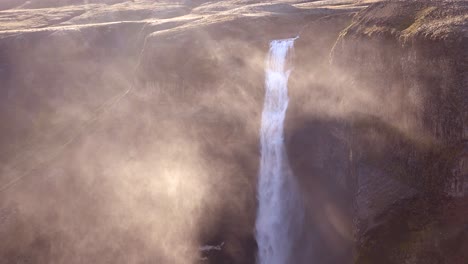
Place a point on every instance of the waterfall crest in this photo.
(280, 212)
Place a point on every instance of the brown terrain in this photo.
(129, 129)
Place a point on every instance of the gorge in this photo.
(151, 131)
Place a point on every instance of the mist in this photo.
(130, 130)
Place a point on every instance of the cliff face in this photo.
(423, 59)
(130, 129)
(409, 150)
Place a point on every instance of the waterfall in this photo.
(280, 211)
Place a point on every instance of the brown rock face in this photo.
(130, 129)
(410, 57)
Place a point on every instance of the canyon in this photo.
(131, 129)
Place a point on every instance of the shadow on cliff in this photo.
(319, 158)
(364, 176)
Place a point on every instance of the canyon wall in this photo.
(135, 138)
(386, 122)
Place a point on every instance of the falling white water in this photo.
(279, 217)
